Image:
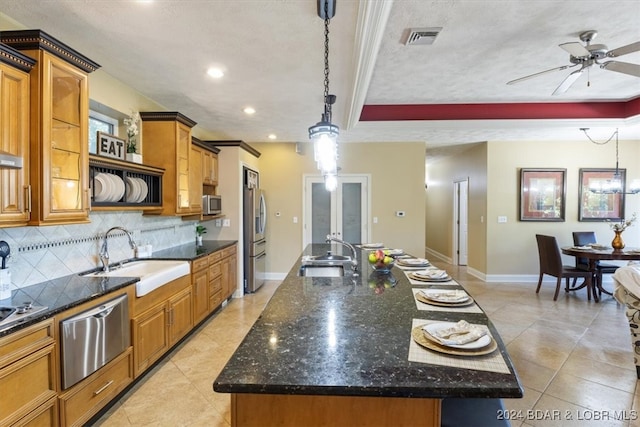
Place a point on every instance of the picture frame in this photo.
(543, 194)
(596, 206)
(111, 146)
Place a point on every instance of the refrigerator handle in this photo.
(262, 255)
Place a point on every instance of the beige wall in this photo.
(470, 164)
(509, 252)
(512, 247)
(397, 183)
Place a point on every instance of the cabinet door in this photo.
(209, 168)
(183, 153)
(200, 294)
(150, 337)
(181, 320)
(14, 140)
(195, 179)
(65, 164)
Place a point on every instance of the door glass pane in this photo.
(351, 212)
(320, 213)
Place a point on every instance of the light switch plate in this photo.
(226, 223)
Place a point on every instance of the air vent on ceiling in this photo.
(421, 36)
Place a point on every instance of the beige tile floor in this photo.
(573, 357)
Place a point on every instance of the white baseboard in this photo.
(430, 253)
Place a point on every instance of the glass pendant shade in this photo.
(325, 146)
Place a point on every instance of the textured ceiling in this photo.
(272, 52)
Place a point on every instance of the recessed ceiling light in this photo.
(249, 110)
(272, 136)
(216, 73)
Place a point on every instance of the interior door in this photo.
(461, 222)
(342, 213)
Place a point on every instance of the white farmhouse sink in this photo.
(152, 274)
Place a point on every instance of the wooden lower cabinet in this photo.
(79, 403)
(160, 319)
(28, 372)
(200, 283)
(228, 265)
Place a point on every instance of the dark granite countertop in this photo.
(347, 336)
(70, 291)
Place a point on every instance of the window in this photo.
(100, 123)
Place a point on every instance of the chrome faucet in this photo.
(354, 260)
(104, 252)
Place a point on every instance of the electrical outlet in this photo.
(218, 223)
(295, 219)
(375, 219)
(226, 223)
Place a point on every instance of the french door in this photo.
(342, 213)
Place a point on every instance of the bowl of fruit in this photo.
(381, 260)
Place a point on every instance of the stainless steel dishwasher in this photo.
(93, 338)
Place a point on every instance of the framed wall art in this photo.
(598, 206)
(542, 194)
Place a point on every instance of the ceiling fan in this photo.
(587, 55)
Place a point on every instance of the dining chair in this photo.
(583, 238)
(551, 264)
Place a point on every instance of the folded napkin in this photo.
(372, 245)
(446, 296)
(460, 333)
(413, 261)
(583, 247)
(432, 273)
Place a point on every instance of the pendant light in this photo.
(616, 184)
(324, 134)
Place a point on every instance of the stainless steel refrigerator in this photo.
(254, 224)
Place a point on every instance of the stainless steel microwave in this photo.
(211, 205)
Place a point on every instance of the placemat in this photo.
(472, 308)
(493, 362)
(420, 282)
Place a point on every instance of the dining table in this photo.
(601, 253)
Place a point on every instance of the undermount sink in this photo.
(153, 274)
(311, 270)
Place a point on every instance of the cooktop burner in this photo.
(14, 315)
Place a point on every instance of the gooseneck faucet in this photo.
(354, 260)
(104, 251)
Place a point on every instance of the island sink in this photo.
(152, 273)
(312, 270)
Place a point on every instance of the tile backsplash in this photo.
(42, 253)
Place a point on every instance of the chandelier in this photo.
(616, 184)
(324, 134)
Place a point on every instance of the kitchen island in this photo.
(335, 351)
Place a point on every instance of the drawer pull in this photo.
(103, 388)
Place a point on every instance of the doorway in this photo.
(342, 213)
(460, 221)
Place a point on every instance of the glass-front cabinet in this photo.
(59, 128)
(14, 137)
(167, 144)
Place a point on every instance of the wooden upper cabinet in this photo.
(195, 178)
(167, 144)
(14, 137)
(59, 123)
(209, 168)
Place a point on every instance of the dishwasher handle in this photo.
(99, 312)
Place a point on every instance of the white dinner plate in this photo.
(414, 262)
(433, 328)
(372, 245)
(441, 295)
(100, 188)
(133, 190)
(431, 274)
(119, 187)
(144, 189)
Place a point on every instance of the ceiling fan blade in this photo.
(566, 84)
(630, 48)
(575, 49)
(564, 67)
(622, 67)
